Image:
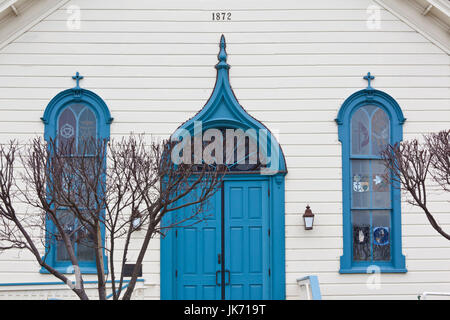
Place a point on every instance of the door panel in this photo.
(198, 245)
(237, 229)
(247, 241)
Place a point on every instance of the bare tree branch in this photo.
(410, 164)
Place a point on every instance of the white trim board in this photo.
(13, 27)
(427, 26)
(6, 4)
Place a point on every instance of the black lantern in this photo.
(308, 218)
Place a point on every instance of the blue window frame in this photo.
(74, 116)
(369, 120)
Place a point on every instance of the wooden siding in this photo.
(293, 64)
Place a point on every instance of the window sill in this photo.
(372, 269)
(70, 270)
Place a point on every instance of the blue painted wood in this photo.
(369, 78)
(246, 242)
(315, 288)
(369, 96)
(197, 245)
(224, 111)
(247, 254)
(50, 118)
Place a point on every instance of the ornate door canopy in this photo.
(223, 110)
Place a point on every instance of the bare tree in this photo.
(439, 146)
(82, 195)
(412, 164)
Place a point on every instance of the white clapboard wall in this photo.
(293, 64)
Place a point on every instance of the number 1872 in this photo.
(221, 16)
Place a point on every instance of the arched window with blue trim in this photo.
(76, 119)
(368, 121)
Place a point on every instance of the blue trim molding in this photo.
(369, 96)
(223, 110)
(76, 95)
(50, 119)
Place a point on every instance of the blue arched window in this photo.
(368, 121)
(75, 118)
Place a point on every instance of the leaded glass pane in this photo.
(360, 183)
(88, 132)
(85, 249)
(241, 151)
(360, 133)
(77, 108)
(381, 235)
(361, 235)
(67, 221)
(380, 131)
(381, 188)
(67, 132)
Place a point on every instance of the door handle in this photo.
(219, 258)
(217, 282)
(229, 277)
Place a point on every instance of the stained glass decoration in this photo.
(85, 245)
(68, 223)
(86, 137)
(77, 128)
(381, 235)
(360, 184)
(67, 131)
(370, 131)
(380, 131)
(381, 188)
(77, 133)
(371, 188)
(361, 235)
(239, 153)
(360, 132)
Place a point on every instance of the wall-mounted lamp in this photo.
(308, 218)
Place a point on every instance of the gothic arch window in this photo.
(368, 121)
(76, 119)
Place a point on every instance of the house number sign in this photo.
(221, 16)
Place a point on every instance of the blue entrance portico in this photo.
(237, 251)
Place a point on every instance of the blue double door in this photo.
(226, 253)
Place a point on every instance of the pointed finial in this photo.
(222, 55)
(368, 77)
(77, 78)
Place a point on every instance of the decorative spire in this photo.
(368, 77)
(222, 55)
(77, 78)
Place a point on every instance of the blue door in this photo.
(246, 217)
(197, 248)
(226, 254)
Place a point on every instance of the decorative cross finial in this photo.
(77, 78)
(368, 77)
(222, 55)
